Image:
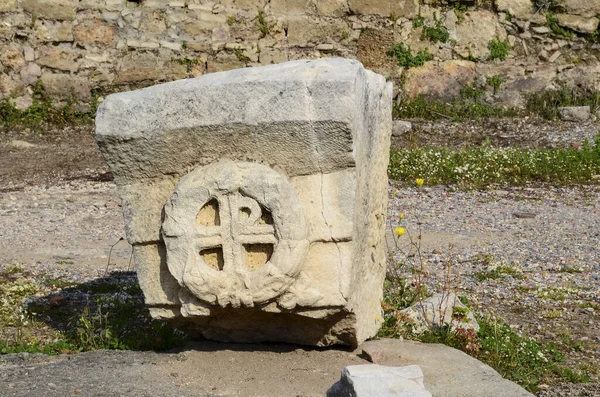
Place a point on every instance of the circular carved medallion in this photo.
(235, 233)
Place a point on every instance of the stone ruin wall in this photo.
(82, 49)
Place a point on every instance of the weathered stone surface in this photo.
(64, 86)
(373, 45)
(577, 23)
(585, 8)
(447, 371)
(30, 73)
(11, 57)
(575, 113)
(7, 5)
(475, 32)
(302, 31)
(439, 311)
(385, 8)
(9, 87)
(153, 22)
(521, 9)
(59, 58)
(401, 127)
(376, 380)
(148, 67)
(582, 76)
(51, 9)
(94, 31)
(283, 240)
(331, 8)
(286, 7)
(443, 80)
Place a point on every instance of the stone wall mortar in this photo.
(77, 48)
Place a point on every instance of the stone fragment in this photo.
(585, 8)
(302, 31)
(331, 8)
(11, 57)
(10, 88)
(404, 9)
(371, 380)
(22, 102)
(439, 311)
(554, 56)
(7, 5)
(63, 10)
(401, 127)
(94, 31)
(29, 53)
(148, 67)
(541, 29)
(59, 58)
(276, 232)
(575, 113)
(521, 9)
(475, 32)
(30, 73)
(577, 23)
(524, 215)
(272, 55)
(153, 22)
(447, 371)
(287, 7)
(442, 81)
(64, 86)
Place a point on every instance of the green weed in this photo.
(263, 26)
(418, 22)
(435, 33)
(495, 82)
(552, 23)
(404, 57)
(499, 49)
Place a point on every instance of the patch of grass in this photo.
(404, 57)
(435, 33)
(495, 82)
(477, 167)
(498, 272)
(499, 49)
(517, 357)
(103, 314)
(262, 24)
(239, 54)
(458, 109)
(552, 23)
(546, 103)
(418, 22)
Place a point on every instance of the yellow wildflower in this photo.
(401, 215)
(420, 182)
(399, 231)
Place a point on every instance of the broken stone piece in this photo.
(438, 311)
(370, 380)
(575, 113)
(255, 199)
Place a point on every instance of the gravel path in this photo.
(530, 255)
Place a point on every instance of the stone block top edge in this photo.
(304, 90)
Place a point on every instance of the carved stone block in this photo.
(255, 199)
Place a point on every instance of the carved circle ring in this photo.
(235, 233)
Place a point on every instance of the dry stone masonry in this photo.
(255, 199)
(80, 50)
